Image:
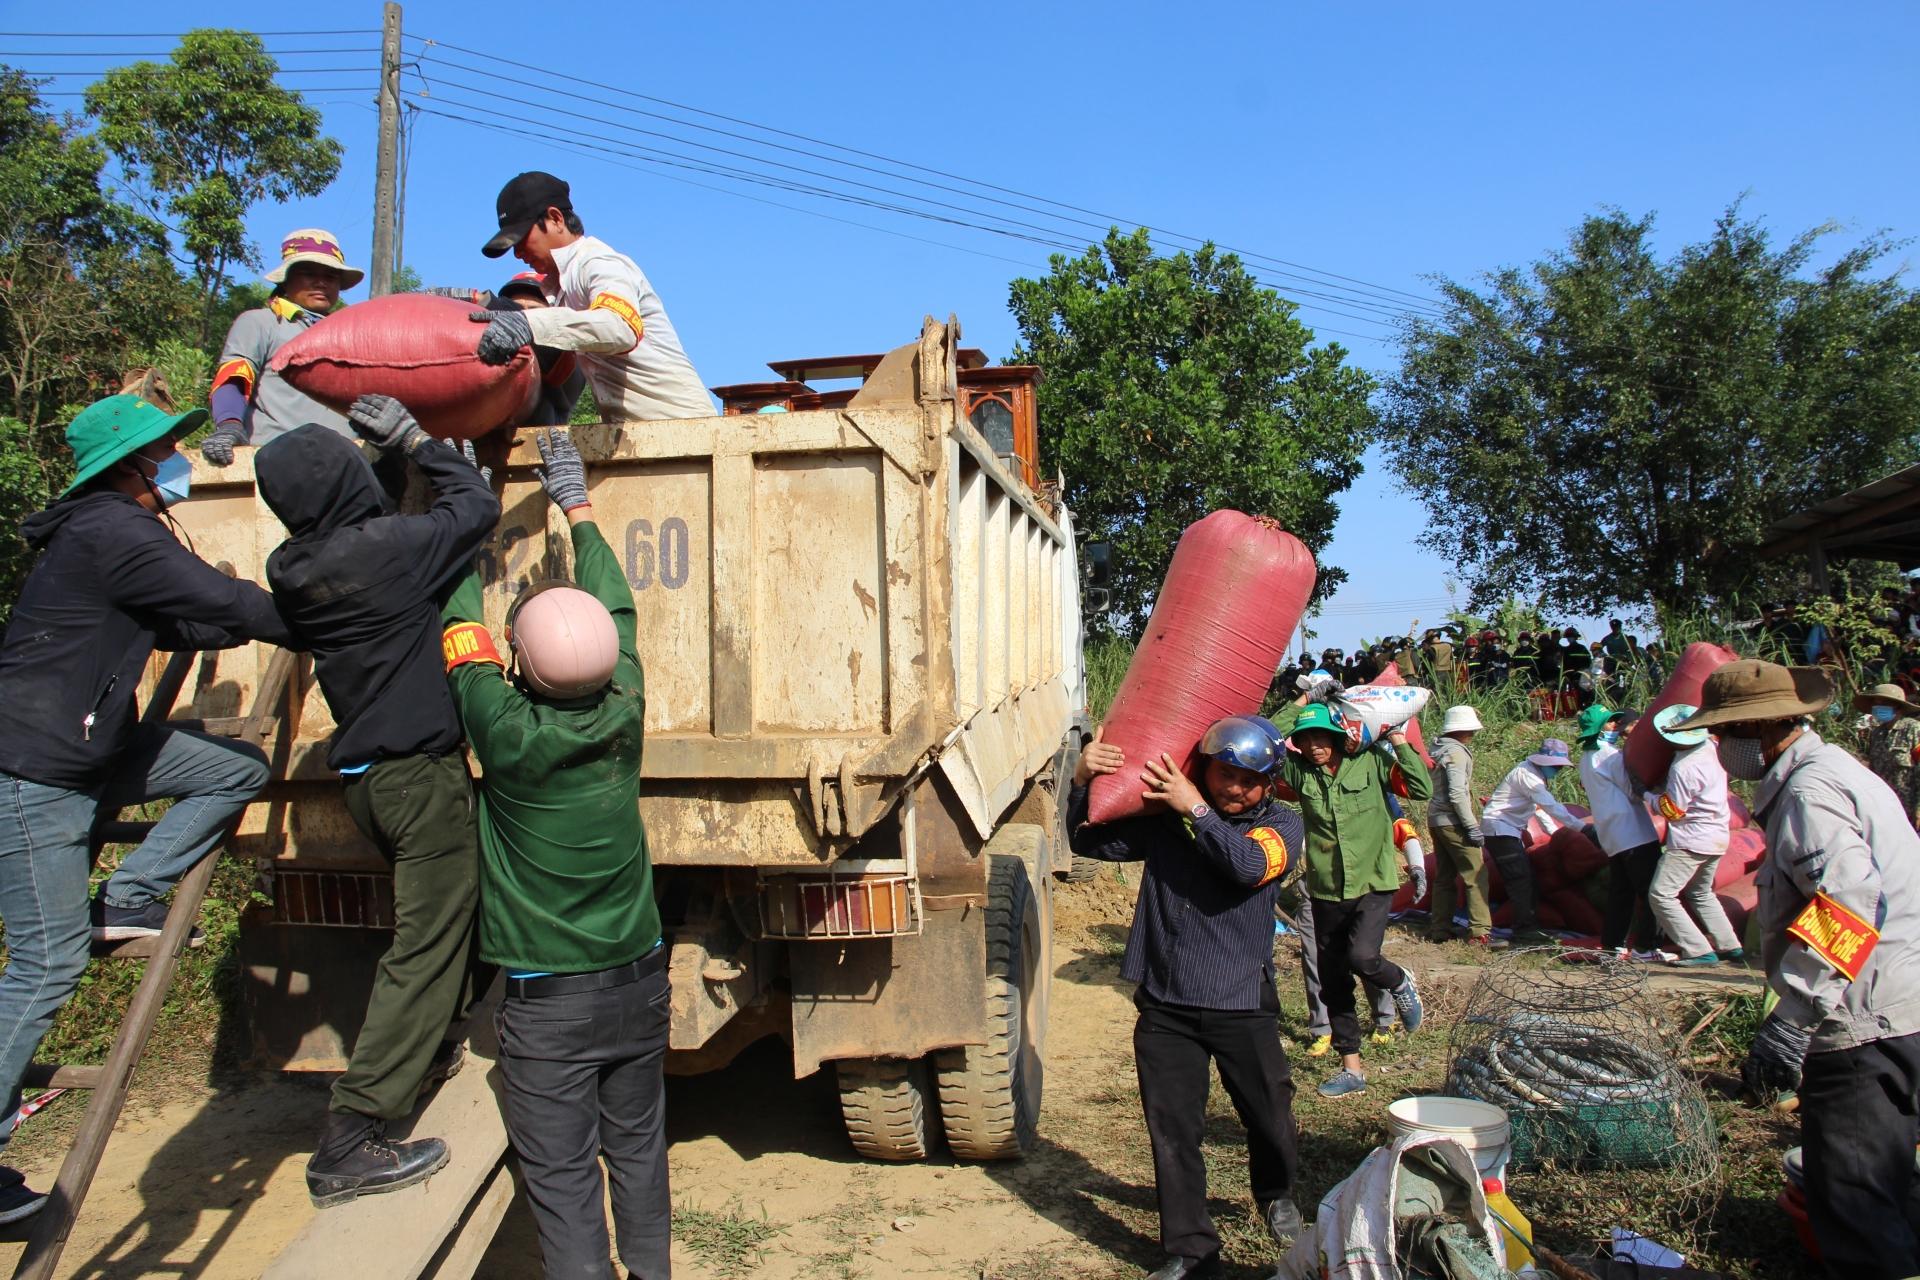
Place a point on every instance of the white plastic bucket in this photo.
(1480, 1127)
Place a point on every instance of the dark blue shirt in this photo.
(1202, 931)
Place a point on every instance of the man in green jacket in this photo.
(1352, 867)
(566, 893)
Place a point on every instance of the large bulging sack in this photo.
(418, 348)
(1369, 710)
(1649, 755)
(1232, 596)
(1390, 676)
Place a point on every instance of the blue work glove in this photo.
(385, 423)
(562, 473)
(218, 447)
(1773, 1064)
(507, 332)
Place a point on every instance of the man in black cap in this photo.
(603, 307)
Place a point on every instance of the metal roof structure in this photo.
(1879, 521)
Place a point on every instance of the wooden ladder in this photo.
(110, 1082)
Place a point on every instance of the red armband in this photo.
(625, 310)
(1274, 846)
(468, 642)
(1836, 935)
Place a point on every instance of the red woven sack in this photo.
(419, 349)
(1740, 900)
(1231, 599)
(1649, 755)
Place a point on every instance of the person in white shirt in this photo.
(1694, 803)
(1521, 794)
(604, 308)
(1621, 825)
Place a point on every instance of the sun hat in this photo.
(1315, 716)
(1884, 693)
(108, 430)
(1592, 720)
(1665, 718)
(311, 244)
(1552, 752)
(1750, 690)
(1460, 719)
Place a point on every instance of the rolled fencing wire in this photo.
(1577, 1056)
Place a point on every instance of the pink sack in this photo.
(1231, 599)
(1740, 899)
(1649, 755)
(418, 348)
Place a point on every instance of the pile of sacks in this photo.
(1570, 887)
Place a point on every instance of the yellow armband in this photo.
(468, 642)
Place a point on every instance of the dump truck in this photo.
(860, 625)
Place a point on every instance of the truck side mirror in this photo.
(1096, 561)
(1099, 599)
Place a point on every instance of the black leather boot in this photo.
(355, 1159)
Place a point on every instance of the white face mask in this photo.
(1742, 758)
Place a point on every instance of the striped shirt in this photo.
(1202, 931)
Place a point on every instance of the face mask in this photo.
(171, 479)
(1883, 714)
(1549, 771)
(1610, 736)
(1741, 758)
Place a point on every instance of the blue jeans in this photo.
(45, 860)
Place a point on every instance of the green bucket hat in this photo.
(1315, 716)
(108, 430)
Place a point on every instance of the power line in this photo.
(154, 53)
(169, 35)
(42, 73)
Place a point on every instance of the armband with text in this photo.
(1835, 934)
(625, 310)
(1274, 846)
(468, 642)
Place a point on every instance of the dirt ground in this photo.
(204, 1184)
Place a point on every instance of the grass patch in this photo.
(729, 1240)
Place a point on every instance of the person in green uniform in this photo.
(567, 905)
(1352, 865)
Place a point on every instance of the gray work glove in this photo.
(507, 332)
(562, 474)
(1476, 837)
(218, 447)
(384, 423)
(1773, 1064)
(465, 449)
(1418, 870)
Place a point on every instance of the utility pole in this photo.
(386, 178)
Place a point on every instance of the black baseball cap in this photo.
(523, 202)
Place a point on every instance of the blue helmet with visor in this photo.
(1246, 742)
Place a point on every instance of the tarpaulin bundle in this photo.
(1232, 596)
(1649, 755)
(419, 349)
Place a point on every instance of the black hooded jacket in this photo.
(112, 584)
(361, 586)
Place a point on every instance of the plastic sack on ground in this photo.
(1232, 596)
(1369, 710)
(1355, 1230)
(1649, 755)
(418, 348)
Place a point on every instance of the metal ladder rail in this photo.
(110, 1082)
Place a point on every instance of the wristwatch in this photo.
(1200, 810)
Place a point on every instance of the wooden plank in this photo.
(461, 1255)
(48, 1075)
(397, 1235)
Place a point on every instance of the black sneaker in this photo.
(1283, 1221)
(123, 924)
(1188, 1268)
(18, 1202)
(356, 1159)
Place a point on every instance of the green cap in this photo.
(1315, 716)
(108, 430)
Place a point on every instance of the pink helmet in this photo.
(563, 640)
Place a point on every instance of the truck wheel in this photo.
(990, 1094)
(1083, 870)
(884, 1102)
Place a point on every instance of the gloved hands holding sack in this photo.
(384, 423)
(562, 473)
(507, 332)
(1773, 1064)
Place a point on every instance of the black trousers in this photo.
(1349, 935)
(1629, 876)
(1510, 856)
(582, 1079)
(1171, 1047)
(1860, 1118)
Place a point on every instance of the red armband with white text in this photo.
(468, 642)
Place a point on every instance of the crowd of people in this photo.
(539, 869)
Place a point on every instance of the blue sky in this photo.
(1383, 143)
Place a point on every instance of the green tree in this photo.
(207, 135)
(1606, 426)
(1176, 386)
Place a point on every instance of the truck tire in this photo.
(990, 1094)
(885, 1105)
(1083, 870)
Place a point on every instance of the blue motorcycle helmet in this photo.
(1246, 742)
